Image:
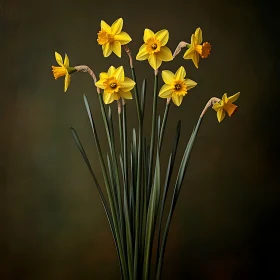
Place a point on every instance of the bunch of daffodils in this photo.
(134, 197)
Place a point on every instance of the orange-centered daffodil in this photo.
(196, 49)
(63, 70)
(112, 37)
(176, 86)
(154, 48)
(225, 105)
(115, 85)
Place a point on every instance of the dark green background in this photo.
(52, 222)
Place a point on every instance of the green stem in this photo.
(125, 175)
(152, 143)
(138, 184)
(120, 126)
(162, 130)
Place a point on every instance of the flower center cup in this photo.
(177, 87)
(113, 85)
(203, 50)
(153, 46)
(104, 37)
(180, 88)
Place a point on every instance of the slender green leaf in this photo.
(129, 248)
(178, 184)
(151, 219)
(158, 130)
(119, 236)
(162, 130)
(167, 183)
(143, 97)
(103, 200)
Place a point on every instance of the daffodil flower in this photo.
(154, 48)
(196, 49)
(176, 86)
(63, 70)
(115, 85)
(112, 37)
(225, 105)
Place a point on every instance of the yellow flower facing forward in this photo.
(154, 48)
(225, 105)
(176, 86)
(112, 37)
(63, 70)
(115, 85)
(197, 50)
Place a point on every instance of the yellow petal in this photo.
(108, 97)
(224, 99)
(111, 71)
(100, 84)
(165, 54)
(58, 58)
(190, 83)
(125, 94)
(193, 41)
(105, 26)
(127, 84)
(233, 98)
(154, 61)
(148, 34)
(217, 106)
(123, 38)
(103, 75)
(168, 77)
(166, 91)
(177, 99)
(117, 26)
(221, 114)
(107, 49)
(66, 61)
(67, 81)
(119, 74)
(117, 49)
(230, 108)
(195, 59)
(116, 95)
(180, 74)
(162, 36)
(198, 36)
(189, 53)
(142, 54)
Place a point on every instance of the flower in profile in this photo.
(154, 48)
(63, 70)
(112, 37)
(196, 49)
(115, 85)
(176, 86)
(225, 105)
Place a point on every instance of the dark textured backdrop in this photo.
(52, 223)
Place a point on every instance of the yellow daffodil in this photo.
(176, 86)
(112, 37)
(196, 49)
(115, 85)
(225, 105)
(154, 48)
(63, 70)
